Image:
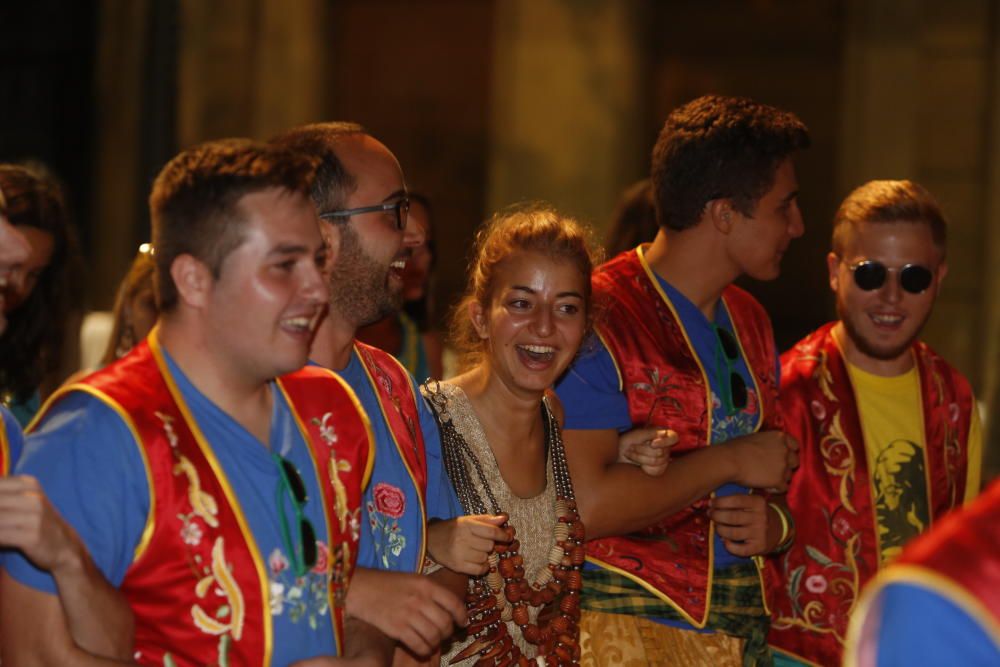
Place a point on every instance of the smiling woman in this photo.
(526, 311)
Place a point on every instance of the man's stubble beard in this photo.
(865, 347)
(359, 285)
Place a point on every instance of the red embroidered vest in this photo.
(836, 550)
(398, 404)
(198, 584)
(666, 385)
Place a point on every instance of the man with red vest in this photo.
(938, 603)
(409, 507)
(669, 577)
(889, 431)
(215, 484)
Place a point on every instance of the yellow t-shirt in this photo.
(892, 423)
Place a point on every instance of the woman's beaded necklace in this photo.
(502, 594)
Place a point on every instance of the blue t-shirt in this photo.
(15, 439)
(592, 398)
(395, 529)
(920, 627)
(90, 467)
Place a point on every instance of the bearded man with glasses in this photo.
(890, 437)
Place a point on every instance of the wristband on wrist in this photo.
(787, 527)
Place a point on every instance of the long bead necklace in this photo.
(502, 594)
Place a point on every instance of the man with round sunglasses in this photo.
(890, 434)
(671, 573)
(215, 482)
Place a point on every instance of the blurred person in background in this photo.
(38, 302)
(634, 219)
(410, 334)
(135, 307)
(13, 251)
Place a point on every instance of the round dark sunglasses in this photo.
(871, 275)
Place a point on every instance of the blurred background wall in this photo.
(487, 102)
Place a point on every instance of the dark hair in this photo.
(333, 183)
(718, 147)
(889, 201)
(532, 227)
(194, 205)
(31, 347)
(634, 219)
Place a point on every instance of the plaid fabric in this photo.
(737, 606)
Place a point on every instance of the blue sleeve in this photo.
(15, 438)
(442, 503)
(589, 391)
(89, 465)
(919, 627)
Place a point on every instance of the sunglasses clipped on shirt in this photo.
(290, 482)
(734, 398)
(871, 275)
(401, 208)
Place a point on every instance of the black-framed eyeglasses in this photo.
(290, 483)
(401, 207)
(871, 275)
(734, 398)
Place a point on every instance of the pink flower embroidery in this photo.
(277, 562)
(816, 583)
(389, 500)
(819, 412)
(322, 558)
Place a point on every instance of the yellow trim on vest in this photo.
(928, 579)
(659, 594)
(370, 462)
(708, 418)
(420, 495)
(4, 449)
(220, 475)
(147, 531)
(757, 560)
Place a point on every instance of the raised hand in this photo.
(742, 522)
(648, 448)
(764, 460)
(463, 544)
(413, 609)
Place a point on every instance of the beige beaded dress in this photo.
(534, 518)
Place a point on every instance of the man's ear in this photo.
(193, 280)
(942, 271)
(721, 214)
(478, 317)
(833, 269)
(331, 239)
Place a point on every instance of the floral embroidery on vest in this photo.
(338, 562)
(387, 506)
(302, 597)
(823, 572)
(216, 587)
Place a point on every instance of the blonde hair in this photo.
(532, 227)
